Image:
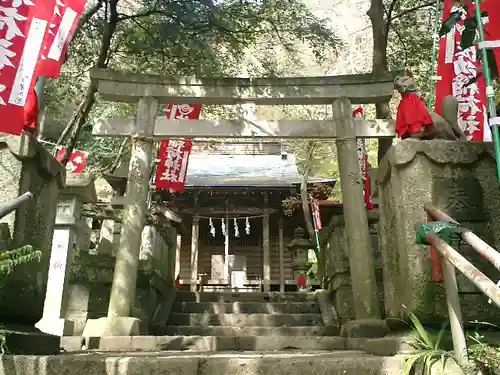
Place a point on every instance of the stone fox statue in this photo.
(414, 120)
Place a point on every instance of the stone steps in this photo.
(172, 330)
(264, 320)
(245, 315)
(247, 307)
(229, 297)
(186, 363)
(204, 343)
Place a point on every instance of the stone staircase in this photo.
(225, 333)
(220, 321)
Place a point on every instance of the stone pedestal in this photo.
(79, 189)
(109, 237)
(25, 165)
(92, 276)
(337, 266)
(458, 178)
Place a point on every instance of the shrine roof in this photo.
(243, 170)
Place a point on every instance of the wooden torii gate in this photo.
(151, 90)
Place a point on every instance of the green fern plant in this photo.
(428, 349)
(11, 259)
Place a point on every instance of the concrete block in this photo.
(72, 343)
(56, 326)
(111, 326)
(387, 346)
(365, 328)
(328, 312)
(36, 343)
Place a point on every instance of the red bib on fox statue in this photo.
(413, 117)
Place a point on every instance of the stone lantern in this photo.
(300, 246)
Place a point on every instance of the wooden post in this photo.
(281, 255)
(178, 256)
(361, 261)
(134, 213)
(194, 252)
(266, 266)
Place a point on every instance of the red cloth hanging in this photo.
(413, 116)
(302, 280)
(31, 111)
(30, 122)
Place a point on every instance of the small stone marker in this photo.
(79, 189)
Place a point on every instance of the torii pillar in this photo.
(118, 322)
(361, 261)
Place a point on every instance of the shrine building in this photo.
(235, 233)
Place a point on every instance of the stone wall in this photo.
(460, 179)
(337, 267)
(92, 276)
(26, 166)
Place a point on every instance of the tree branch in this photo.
(87, 16)
(415, 8)
(388, 13)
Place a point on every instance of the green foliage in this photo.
(11, 259)
(428, 349)
(485, 353)
(293, 202)
(410, 40)
(186, 38)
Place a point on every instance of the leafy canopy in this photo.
(176, 37)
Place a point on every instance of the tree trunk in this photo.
(79, 118)
(380, 29)
(303, 192)
(306, 208)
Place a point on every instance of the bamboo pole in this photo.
(455, 313)
(490, 92)
(479, 279)
(488, 252)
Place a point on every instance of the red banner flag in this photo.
(171, 171)
(363, 164)
(184, 111)
(459, 70)
(471, 96)
(76, 162)
(316, 215)
(445, 61)
(24, 26)
(65, 19)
